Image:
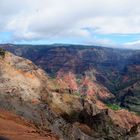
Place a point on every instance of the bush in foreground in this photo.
(2, 52)
(114, 106)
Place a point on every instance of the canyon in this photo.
(65, 91)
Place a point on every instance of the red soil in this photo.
(16, 128)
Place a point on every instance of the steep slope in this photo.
(116, 69)
(130, 97)
(13, 127)
(55, 104)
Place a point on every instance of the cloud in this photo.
(132, 45)
(60, 19)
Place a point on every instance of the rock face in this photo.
(70, 108)
(129, 97)
(118, 70)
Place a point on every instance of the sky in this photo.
(113, 23)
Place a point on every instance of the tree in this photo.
(2, 52)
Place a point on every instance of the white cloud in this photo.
(132, 45)
(47, 19)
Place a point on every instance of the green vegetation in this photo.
(2, 52)
(137, 113)
(77, 93)
(114, 106)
